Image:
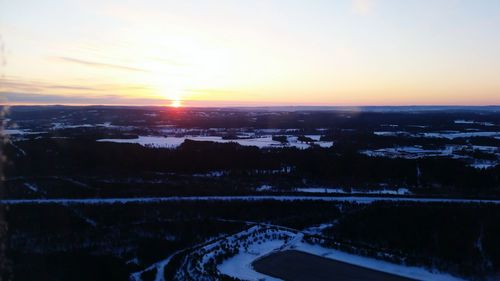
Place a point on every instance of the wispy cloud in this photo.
(214, 91)
(28, 98)
(19, 85)
(15, 84)
(3, 60)
(168, 61)
(363, 7)
(98, 64)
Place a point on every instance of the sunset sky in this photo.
(258, 52)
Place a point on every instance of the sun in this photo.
(176, 103)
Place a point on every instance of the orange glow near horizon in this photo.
(176, 103)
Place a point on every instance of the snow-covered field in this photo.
(446, 134)
(410, 152)
(260, 142)
(12, 132)
(452, 151)
(150, 141)
(399, 191)
(240, 266)
(60, 126)
(470, 122)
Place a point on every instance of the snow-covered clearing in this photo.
(483, 165)
(11, 132)
(463, 152)
(260, 142)
(60, 126)
(399, 191)
(446, 134)
(411, 152)
(470, 122)
(240, 266)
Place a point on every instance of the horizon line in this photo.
(239, 106)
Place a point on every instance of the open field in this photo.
(299, 266)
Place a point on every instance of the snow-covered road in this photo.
(356, 199)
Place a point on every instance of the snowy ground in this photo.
(399, 191)
(444, 134)
(469, 122)
(262, 240)
(19, 132)
(60, 126)
(240, 265)
(410, 152)
(452, 151)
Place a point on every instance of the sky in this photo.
(250, 53)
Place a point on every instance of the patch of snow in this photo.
(314, 137)
(60, 126)
(269, 131)
(106, 125)
(31, 186)
(391, 133)
(483, 165)
(320, 190)
(464, 122)
(212, 174)
(325, 144)
(411, 152)
(133, 261)
(488, 149)
(318, 230)
(150, 141)
(419, 126)
(11, 132)
(264, 187)
(399, 191)
(447, 135)
(240, 266)
(461, 135)
(470, 122)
